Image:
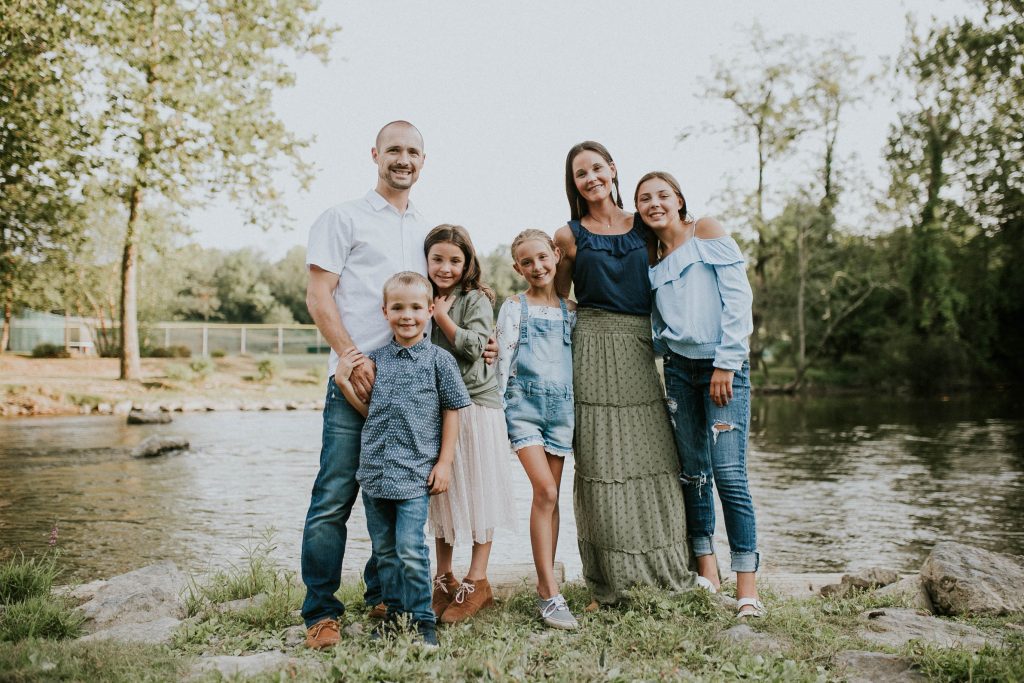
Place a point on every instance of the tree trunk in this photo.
(801, 326)
(5, 335)
(760, 279)
(131, 364)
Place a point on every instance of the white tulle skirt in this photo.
(479, 498)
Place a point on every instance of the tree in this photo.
(243, 292)
(499, 274)
(826, 287)
(287, 280)
(955, 157)
(188, 115)
(764, 91)
(42, 140)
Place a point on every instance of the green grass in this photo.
(41, 616)
(258, 627)
(27, 607)
(22, 578)
(652, 636)
(96, 662)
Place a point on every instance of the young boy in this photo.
(408, 445)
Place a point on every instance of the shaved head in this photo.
(396, 124)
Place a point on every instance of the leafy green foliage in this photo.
(201, 368)
(47, 350)
(269, 368)
(43, 133)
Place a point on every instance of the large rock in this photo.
(148, 417)
(857, 666)
(243, 666)
(159, 445)
(897, 627)
(122, 408)
(874, 577)
(755, 641)
(155, 632)
(963, 580)
(242, 604)
(866, 579)
(141, 606)
(911, 590)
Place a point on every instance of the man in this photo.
(353, 249)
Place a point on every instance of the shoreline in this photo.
(90, 386)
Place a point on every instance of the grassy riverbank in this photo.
(72, 386)
(655, 637)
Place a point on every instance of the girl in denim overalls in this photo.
(535, 376)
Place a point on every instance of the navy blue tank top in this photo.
(611, 270)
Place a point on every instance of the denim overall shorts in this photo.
(538, 400)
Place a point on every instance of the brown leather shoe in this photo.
(323, 634)
(378, 612)
(445, 586)
(470, 598)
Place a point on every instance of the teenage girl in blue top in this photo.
(701, 320)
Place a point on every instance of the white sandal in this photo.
(705, 583)
(757, 608)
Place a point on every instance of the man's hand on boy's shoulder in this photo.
(440, 478)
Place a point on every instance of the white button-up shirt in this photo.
(366, 241)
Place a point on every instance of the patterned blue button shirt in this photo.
(402, 433)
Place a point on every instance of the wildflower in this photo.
(53, 536)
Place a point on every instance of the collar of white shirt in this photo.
(379, 204)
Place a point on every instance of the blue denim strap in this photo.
(566, 328)
(524, 321)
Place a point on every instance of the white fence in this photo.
(202, 339)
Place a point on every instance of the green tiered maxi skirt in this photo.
(630, 518)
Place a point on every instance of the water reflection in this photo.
(838, 483)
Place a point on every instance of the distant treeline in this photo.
(909, 278)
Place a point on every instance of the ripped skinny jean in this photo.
(712, 445)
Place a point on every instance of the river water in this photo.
(839, 483)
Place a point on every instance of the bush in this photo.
(46, 350)
(218, 353)
(178, 373)
(268, 368)
(179, 351)
(202, 368)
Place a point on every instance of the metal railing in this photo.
(202, 339)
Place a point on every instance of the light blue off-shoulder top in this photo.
(702, 302)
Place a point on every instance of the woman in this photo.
(630, 515)
(702, 319)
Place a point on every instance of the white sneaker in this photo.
(705, 583)
(555, 613)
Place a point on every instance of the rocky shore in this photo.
(82, 386)
(928, 609)
(29, 405)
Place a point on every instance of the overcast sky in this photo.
(502, 90)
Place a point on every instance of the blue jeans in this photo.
(334, 493)
(403, 561)
(712, 445)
